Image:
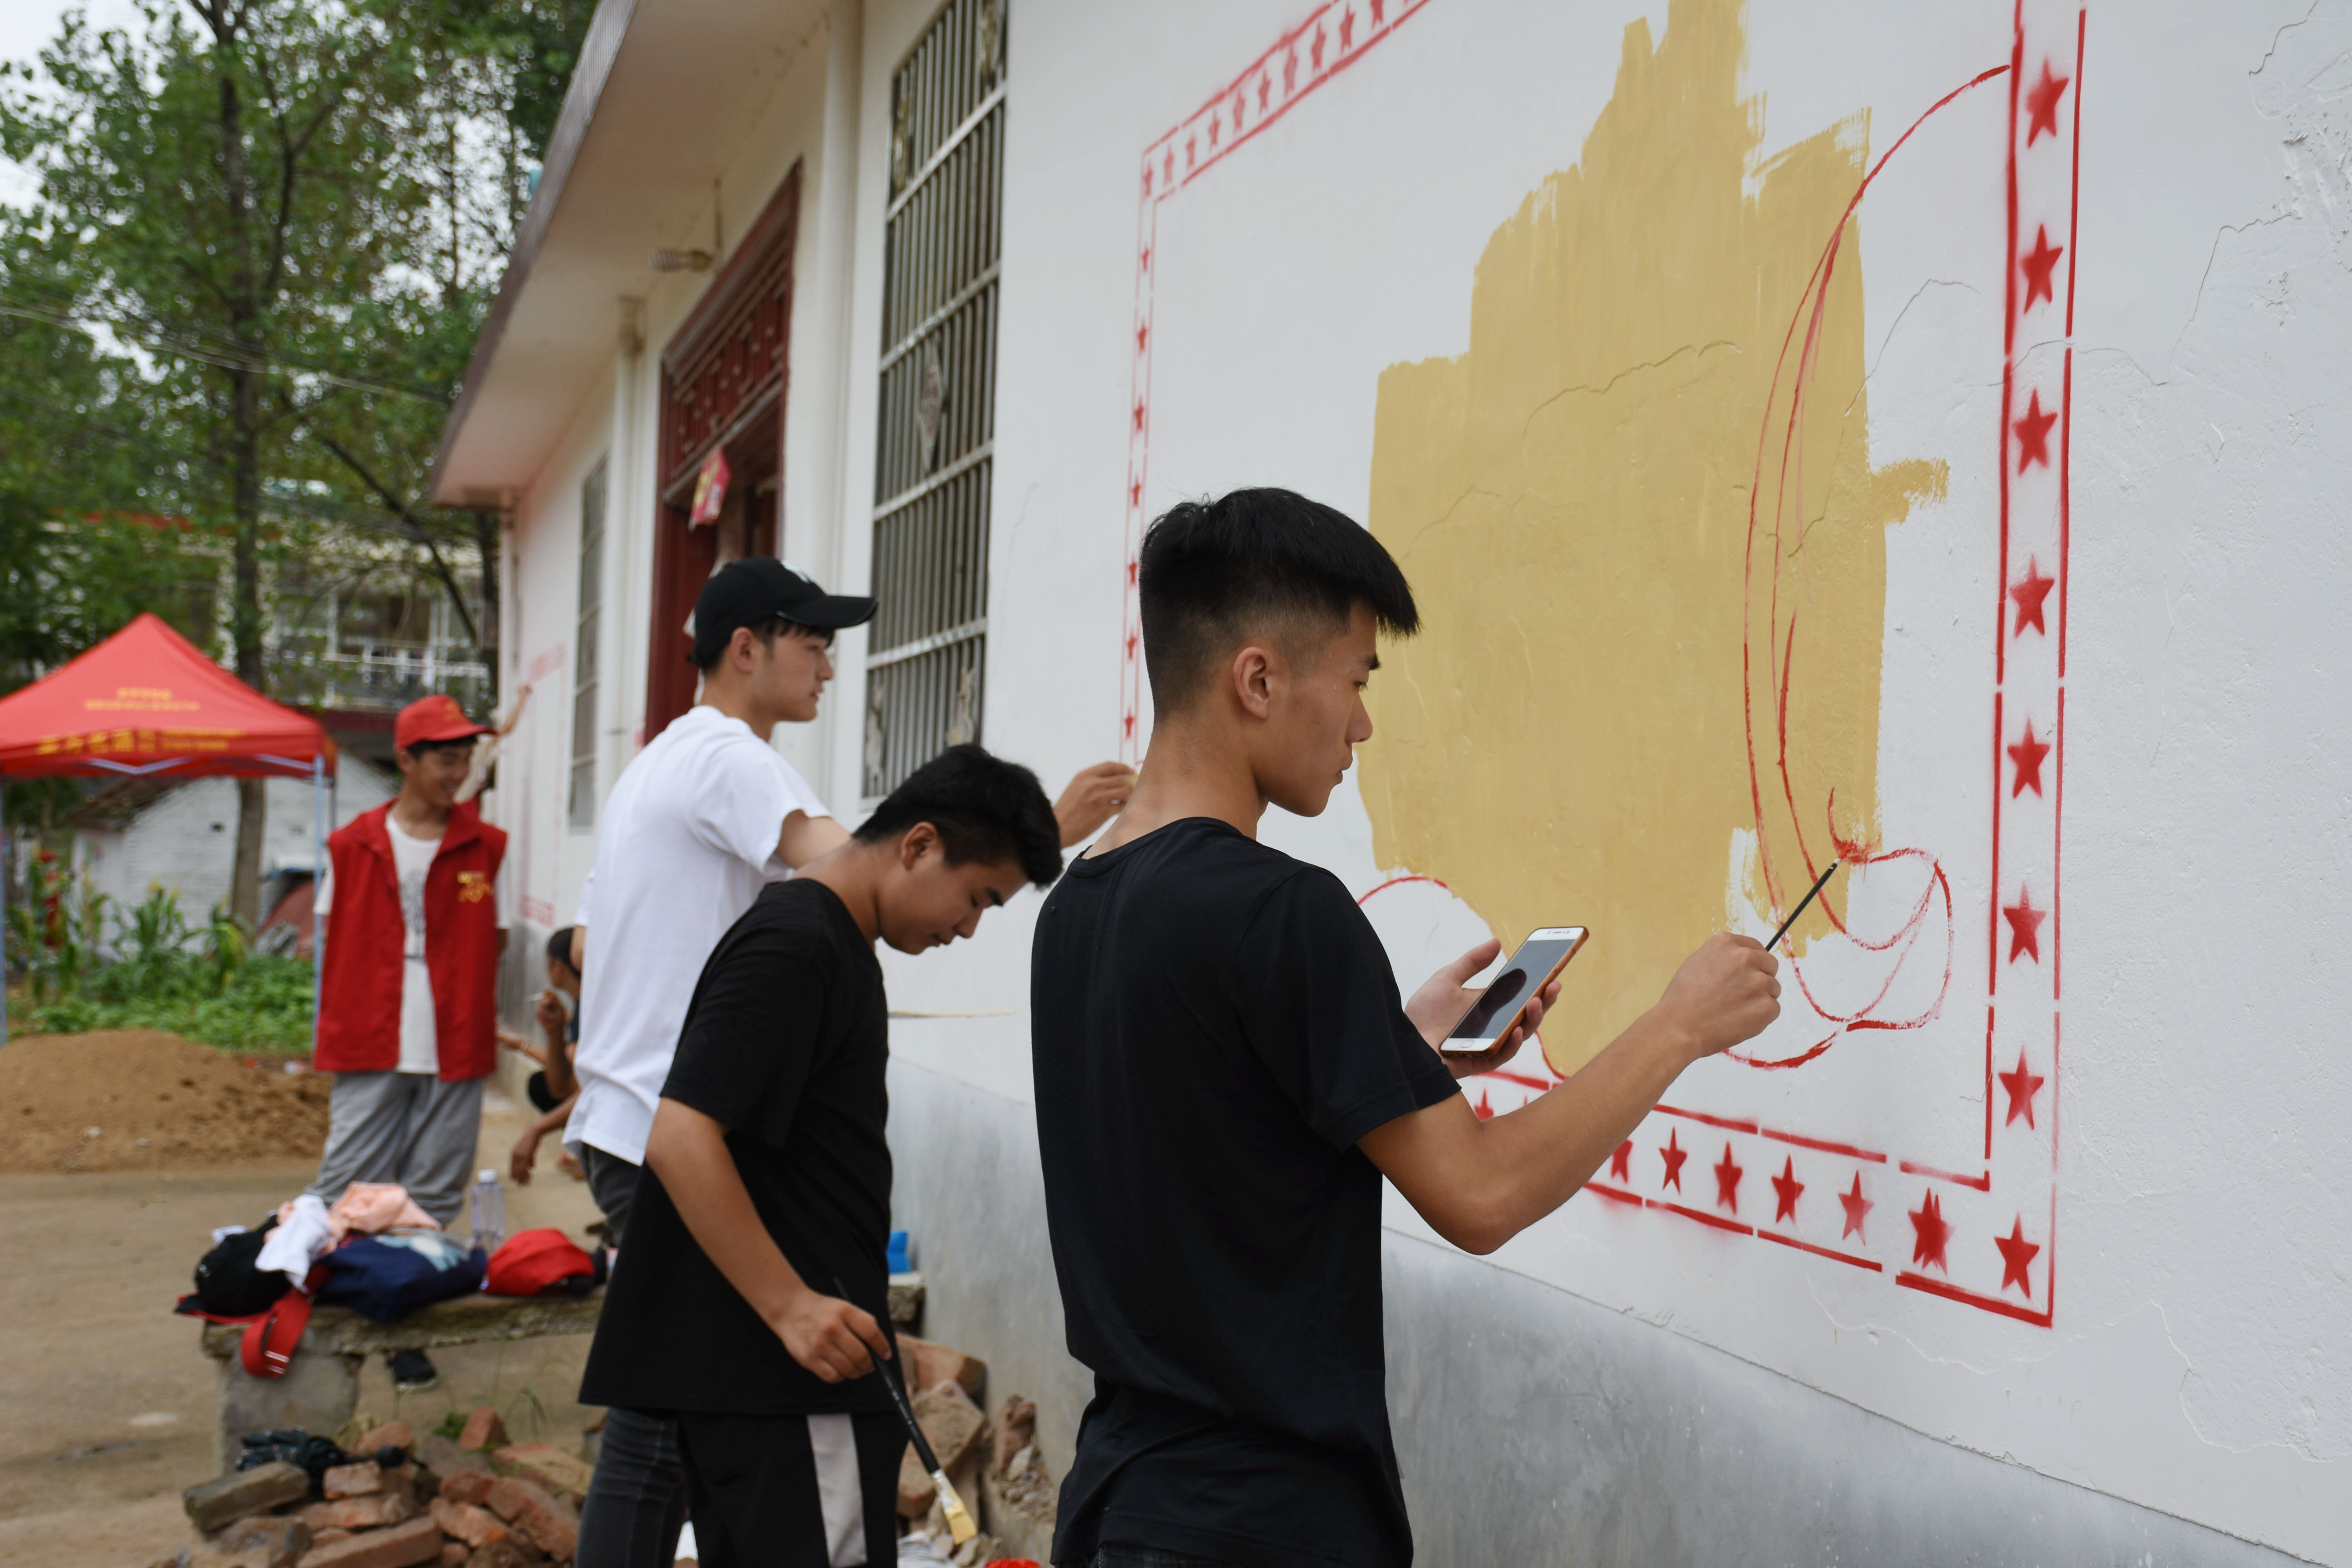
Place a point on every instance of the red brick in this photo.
(510, 1554)
(546, 1524)
(923, 1364)
(401, 1546)
(264, 1540)
(391, 1435)
(483, 1430)
(468, 1485)
(371, 1512)
(454, 1553)
(473, 1525)
(550, 1465)
(352, 1481)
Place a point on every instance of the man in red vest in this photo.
(408, 996)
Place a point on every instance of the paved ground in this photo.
(105, 1402)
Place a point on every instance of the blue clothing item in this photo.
(388, 1277)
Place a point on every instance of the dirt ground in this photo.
(140, 1099)
(106, 1405)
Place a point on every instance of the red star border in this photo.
(1856, 1207)
(1929, 1231)
(2029, 592)
(2024, 926)
(2033, 434)
(1674, 1154)
(1727, 1182)
(1621, 1163)
(2021, 1086)
(1785, 1190)
(2039, 263)
(2041, 104)
(2028, 754)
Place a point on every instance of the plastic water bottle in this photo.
(489, 1211)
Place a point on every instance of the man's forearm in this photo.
(557, 1064)
(557, 1117)
(1543, 1151)
(688, 1152)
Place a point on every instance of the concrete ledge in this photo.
(465, 1321)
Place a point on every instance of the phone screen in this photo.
(1529, 970)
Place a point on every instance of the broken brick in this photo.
(509, 1554)
(468, 1485)
(454, 1553)
(352, 1481)
(483, 1429)
(371, 1512)
(550, 1525)
(1015, 1429)
(923, 1364)
(243, 1492)
(468, 1522)
(951, 1421)
(548, 1465)
(445, 1459)
(401, 1546)
(262, 1541)
(391, 1435)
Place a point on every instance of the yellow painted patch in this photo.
(1566, 742)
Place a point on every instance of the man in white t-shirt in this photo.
(416, 897)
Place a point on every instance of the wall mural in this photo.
(1643, 506)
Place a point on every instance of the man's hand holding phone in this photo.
(1445, 997)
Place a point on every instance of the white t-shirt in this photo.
(412, 860)
(686, 841)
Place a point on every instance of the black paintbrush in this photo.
(1808, 899)
(960, 1527)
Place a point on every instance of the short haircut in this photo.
(1213, 571)
(983, 807)
(463, 743)
(767, 629)
(559, 948)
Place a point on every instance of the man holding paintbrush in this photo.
(1224, 1072)
(763, 1215)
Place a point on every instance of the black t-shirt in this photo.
(1215, 1027)
(786, 1045)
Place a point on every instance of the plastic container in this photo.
(488, 1210)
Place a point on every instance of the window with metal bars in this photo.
(935, 435)
(582, 803)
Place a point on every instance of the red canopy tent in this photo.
(147, 701)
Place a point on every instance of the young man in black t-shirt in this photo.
(767, 1178)
(1224, 1072)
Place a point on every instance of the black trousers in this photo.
(750, 1485)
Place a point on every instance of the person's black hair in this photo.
(463, 743)
(983, 807)
(1212, 568)
(559, 948)
(767, 629)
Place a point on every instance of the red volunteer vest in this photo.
(358, 990)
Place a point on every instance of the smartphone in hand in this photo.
(1536, 965)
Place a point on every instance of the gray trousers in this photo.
(404, 1127)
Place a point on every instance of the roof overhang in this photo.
(659, 103)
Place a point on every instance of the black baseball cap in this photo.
(745, 592)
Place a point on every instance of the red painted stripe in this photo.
(1613, 1195)
(1824, 1251)
(1982, 1184)
(1703, 1217)
(1823, 1144)
(1710, 1120)
(1969, 1297)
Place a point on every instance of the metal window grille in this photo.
(936, 432)
(583, 807)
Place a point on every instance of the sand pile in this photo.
(140, 1099)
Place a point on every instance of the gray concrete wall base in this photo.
(1533, 1425)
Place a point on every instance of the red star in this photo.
(2024, 924)
(1214, 127)
(1347, 30)
(1168, 171)
(1264, 85)
(2038, 264)
(1139, 418)
(2033, 434)
(1240, 102)
(2016, 1257)
(1290, 71)
(1147, 179)
(1857, 1205)
(1145, 264)
(2041, 102)
(1142, 335)
(1135, 493)
(2029, 593)
(2022, 1087)
(1485, 1112)
(1621, 1163)
(1189, 150)
(1130, 645)
(1727, 1182)
(1379, 7)
(1676, 1155)
(1929, 1231)
(2028, 754)
(1315, 49)
(1130, 574)
(1785, 1190)
(1130, 724)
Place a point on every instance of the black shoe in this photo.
(412, 1371)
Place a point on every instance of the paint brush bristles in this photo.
(960, 1527)
(1807, 899)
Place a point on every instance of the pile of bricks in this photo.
(478, 1502)
(993, 1464)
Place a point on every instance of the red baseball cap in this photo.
(431, 719)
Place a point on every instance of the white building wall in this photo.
(2189, 1370)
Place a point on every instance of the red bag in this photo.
(268, 1344)
(538, 1263)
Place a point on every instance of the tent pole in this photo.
(9, 870)
(318, 885)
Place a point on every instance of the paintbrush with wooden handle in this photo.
(961, 1526)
